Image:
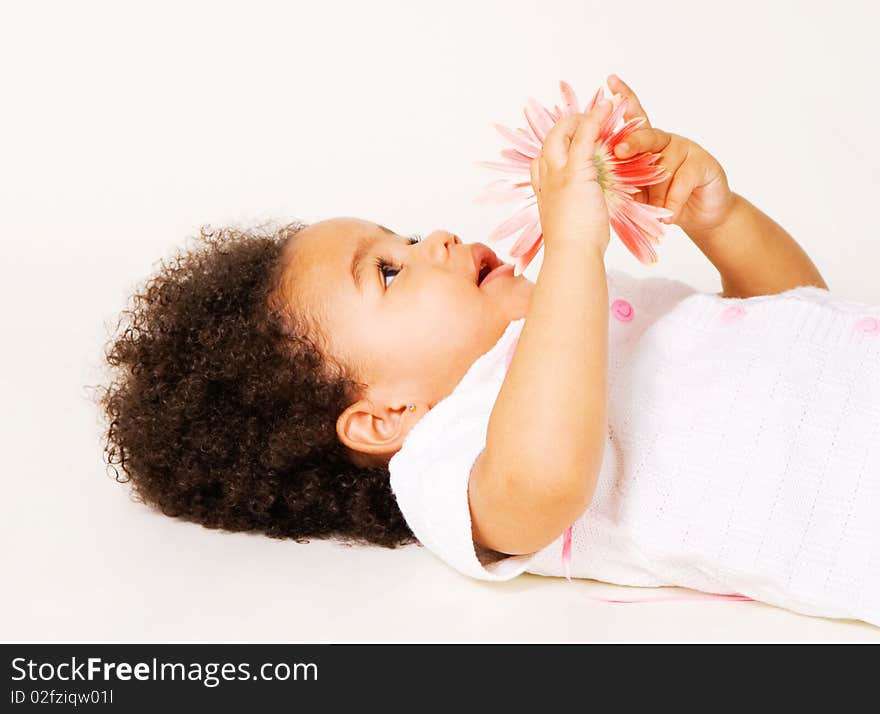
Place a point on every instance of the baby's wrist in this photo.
(577, 246)
(734, 202)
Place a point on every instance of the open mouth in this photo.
(491, 269)
(487, 265)
(485, 262)
(485, 269)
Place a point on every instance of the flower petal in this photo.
(623, 132)
(517, 157)
(637, 173)
(506, 167)
(539, 118)
(591, 105)
(503, 191)
(606, 130)
(527, 238)
(522, 262)
(637, 226)
(499, 197)
(507, 228)
(633, 239)
(520, 140)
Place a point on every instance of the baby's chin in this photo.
(514, 293)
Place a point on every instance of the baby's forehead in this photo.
(340, 226)
(337, 233)
(316, 251)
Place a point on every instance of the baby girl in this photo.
(340, 380)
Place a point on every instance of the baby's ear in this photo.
(375, 431)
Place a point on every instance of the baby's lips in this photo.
(483, 254)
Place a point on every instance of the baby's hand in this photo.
(571, 203)
(696, 187)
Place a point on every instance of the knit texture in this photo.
(741, 456)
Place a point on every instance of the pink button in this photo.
(733, 313)
(622, 310)
(868, 326)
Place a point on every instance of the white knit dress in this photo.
(742, 453)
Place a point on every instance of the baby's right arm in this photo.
(546, 433)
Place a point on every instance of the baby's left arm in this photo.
(753, 253)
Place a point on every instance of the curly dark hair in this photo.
(223, 409)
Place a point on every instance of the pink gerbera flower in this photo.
(636, 224)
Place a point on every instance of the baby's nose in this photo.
(440, 249)
(444, 237)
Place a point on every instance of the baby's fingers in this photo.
(583, 143)
(559, 140)
(643, 140)
(633, 106)
(554, 151)
(684, 181)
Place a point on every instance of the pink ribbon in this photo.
(566, 552)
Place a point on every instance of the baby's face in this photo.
(410, 330)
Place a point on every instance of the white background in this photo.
(126, 127)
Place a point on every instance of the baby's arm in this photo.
(546, 433)
(754, 254)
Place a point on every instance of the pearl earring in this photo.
(412, 407)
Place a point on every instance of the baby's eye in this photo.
(384, 265)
